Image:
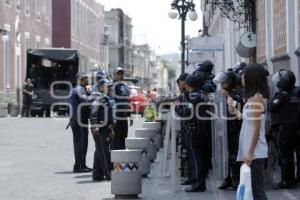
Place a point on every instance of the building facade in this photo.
(277, 29)
(278, 35)
(29, 25)
(79, 24)
(120, 41)
(141, 64)
(224, 30)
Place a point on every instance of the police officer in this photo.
(180, 100)
(205, 71)
(79, 122)
(27, 98)
(284, 109)
(121, 94)
(230, 84)
(195, 130)
(96, 77)
(101, 121)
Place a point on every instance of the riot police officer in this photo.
(284, 110)
(180, 100)
(205, 70)
(79, 122)
(195, 130)
(101, 123)
(230, 84)
(121, 94)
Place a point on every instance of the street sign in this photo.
(206, 44)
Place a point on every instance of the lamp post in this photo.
(183, 7)
(187, 40)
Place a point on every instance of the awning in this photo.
(55, 54)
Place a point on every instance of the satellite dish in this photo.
(247, 45)
(248, 39)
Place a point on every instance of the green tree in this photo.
(171, 69)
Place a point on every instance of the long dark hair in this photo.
(255, 78)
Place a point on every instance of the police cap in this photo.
(104, 82)
(119, 69)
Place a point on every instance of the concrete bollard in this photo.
(157, 127)
(148, 133)
(140, 144)
(126, 179)
(3, 110)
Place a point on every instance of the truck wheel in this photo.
(33, 113)
(40, 113)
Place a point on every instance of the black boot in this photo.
(225, 184)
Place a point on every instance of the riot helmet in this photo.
(239, 68)
(192, 81)
(284, 79)
(227, 79)
(206, 66)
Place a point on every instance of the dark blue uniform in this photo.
(194, 129)
(27, 100)
(233, 134)
(284, 109)
(121, 94)
(102, 118)
(79, 123)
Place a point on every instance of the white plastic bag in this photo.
(244, 191)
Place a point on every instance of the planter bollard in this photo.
(140, 144)
(3, 110)
(157, 127)
(148, 133)
(126, 179)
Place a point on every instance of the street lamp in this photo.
(183, 7)
(187, 40)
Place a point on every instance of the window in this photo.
(18, 5)
(27, 7)
(37, 41)
(38, 9)
(8, 3)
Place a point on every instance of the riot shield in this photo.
(219, 137)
